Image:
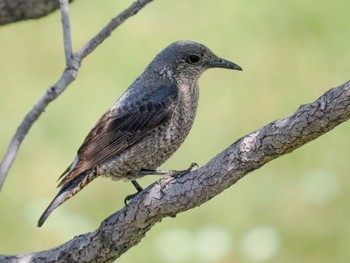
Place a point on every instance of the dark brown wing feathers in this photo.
(115, 132)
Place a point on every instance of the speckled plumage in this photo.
(146, 125)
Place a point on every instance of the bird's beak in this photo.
(222, 63)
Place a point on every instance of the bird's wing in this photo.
(116, 131)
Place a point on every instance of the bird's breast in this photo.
(185, 111)
(172, 134)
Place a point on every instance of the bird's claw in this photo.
(129, 198)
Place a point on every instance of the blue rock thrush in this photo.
(146, 125)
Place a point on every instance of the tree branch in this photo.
(170, 196)
(18, 10)
(67, 77)
(108, 29)
(67, 39)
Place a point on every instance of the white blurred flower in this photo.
(213, 243)
(260, 244)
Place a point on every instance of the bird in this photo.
(146, 125)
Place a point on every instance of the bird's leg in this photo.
(143, 172)
(138, 188)
(172, 173)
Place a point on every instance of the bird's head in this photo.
(188, 59)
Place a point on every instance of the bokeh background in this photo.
(295, 209)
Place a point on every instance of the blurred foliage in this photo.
(295, 209)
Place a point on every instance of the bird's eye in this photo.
(193, 59)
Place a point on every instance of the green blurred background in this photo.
(295, 209)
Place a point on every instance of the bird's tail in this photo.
(66, 192)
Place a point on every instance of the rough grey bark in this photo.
(18, 10)
(169, 196)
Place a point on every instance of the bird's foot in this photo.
(129, 197)
(177, 174)
(171, 173)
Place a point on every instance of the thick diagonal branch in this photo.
(170, 196)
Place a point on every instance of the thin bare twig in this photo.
(170, 196)
(56, 90)
(108, 29)
(67, 39)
